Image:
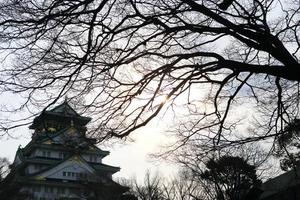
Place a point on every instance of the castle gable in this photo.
(74, 169)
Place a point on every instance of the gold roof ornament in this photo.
(40, 178)
(72, 130)
(48, 142)
(52, 129)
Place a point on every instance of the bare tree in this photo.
(184, 187)
(133, 59)
(149, 189)
(155, 187)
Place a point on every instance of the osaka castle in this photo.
(61, 162)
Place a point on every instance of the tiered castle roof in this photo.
(61, 157)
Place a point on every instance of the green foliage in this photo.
(232, 177)
(288, 145)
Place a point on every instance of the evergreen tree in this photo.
(232, 177)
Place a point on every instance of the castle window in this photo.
(46, 154)
(62, 155)
(61, 190)
(36, 189)
(93, 158)
(48, 189)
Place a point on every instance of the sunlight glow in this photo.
(161, 99)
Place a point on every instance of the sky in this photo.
(134, 158)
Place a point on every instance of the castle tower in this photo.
(61, 162)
